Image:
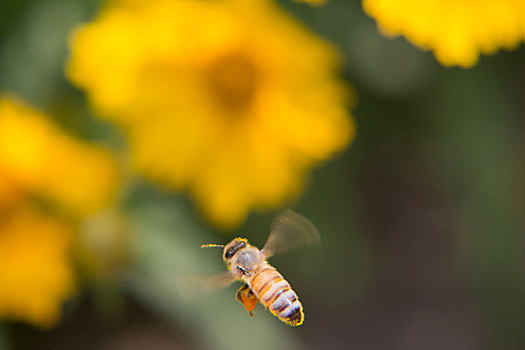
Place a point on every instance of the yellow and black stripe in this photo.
(274, 292)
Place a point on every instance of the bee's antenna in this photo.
(212, 245)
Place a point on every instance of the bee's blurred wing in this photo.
(290, 230)
(194, 287)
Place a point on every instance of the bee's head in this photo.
(232, 248)
(234, 253)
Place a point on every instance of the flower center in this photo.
(232, 81)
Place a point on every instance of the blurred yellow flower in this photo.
(230, 99)
(36, 272)
(39, 160)
(38, 156)
(102, 245)
(456, 30)
(10, 194)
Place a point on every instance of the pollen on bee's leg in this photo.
(246, 297)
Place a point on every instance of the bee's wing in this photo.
(290, 230)
(194, 287)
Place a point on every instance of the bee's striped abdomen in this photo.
(274, 292)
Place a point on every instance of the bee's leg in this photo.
(246, 297)
(246, 273)
(240, 292)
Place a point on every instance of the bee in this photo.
(261, 281)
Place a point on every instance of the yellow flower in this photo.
(39, 160)
(230, 99)
(101, 246)
(456, 30)
(10, 194)
(38, 156)
(36, 272)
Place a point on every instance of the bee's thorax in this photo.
(248, 258)
(242, 258)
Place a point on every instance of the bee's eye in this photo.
(233, 249)
(229, 253)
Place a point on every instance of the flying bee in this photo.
(262, 282)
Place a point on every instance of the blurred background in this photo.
(421, 216)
